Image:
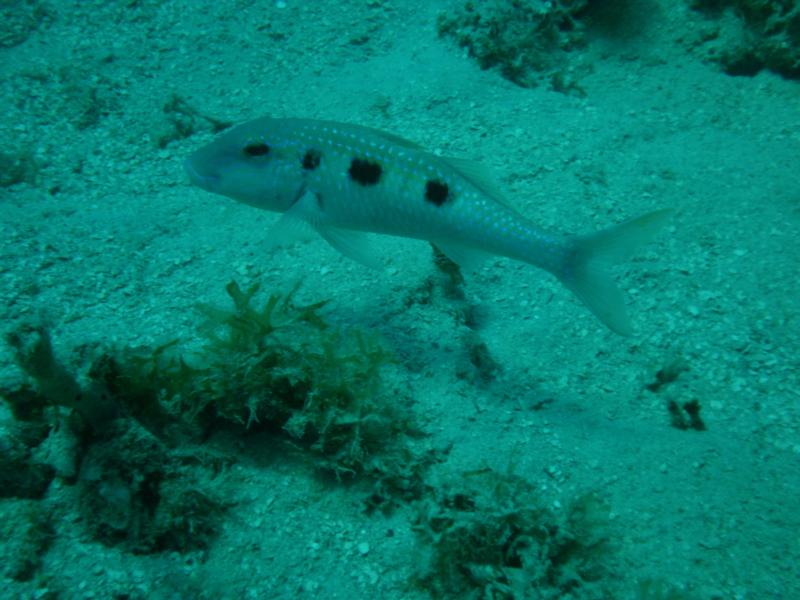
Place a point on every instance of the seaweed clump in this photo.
(19, 19)
(748, 36)
(533, 42)
(180, 120)
(492, 537)
(26, 532)
(133, 489)
(133, 422)
(137, 494)
(526, 41)
(19, 166)
(674, 387)
(278, 366)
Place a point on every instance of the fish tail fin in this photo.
(585, 274)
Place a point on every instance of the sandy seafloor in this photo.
(126, 248)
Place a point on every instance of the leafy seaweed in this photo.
(135, 414)
(51, 383)
(280, 364)
(276, 365)
(490, 536)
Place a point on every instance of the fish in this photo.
(345, 181)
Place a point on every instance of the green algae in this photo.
(748, 36)
(273, 365)
(490, 535)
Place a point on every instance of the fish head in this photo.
(247, 164)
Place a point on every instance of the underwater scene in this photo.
(400, 299)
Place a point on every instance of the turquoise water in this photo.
(425, 433)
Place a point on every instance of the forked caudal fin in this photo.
(585, 269)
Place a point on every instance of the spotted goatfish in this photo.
(345, 180)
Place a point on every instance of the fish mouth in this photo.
(201, 180)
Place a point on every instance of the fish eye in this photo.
(256, 149)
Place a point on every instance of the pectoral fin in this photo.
(288, 229)
(355, 245)
(306, 216)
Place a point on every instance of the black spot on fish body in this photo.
(364, 172)
(311, 159)
(436, 192)
(256, 149)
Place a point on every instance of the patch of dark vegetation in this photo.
(136, 494)
(19, 19)
(181, 120)
(674, 389)
(667, 374)
(138, 416)
(82, 94)
(478, 366)
(532, 42)
(26, 532)
(452, 279)
(748, 36)
(281, 365)
(18, 166)
(51, 384)
(21, 474)
(133, 490)
(445, 284)
(491, 536)
(137, 424)
(686, 416)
